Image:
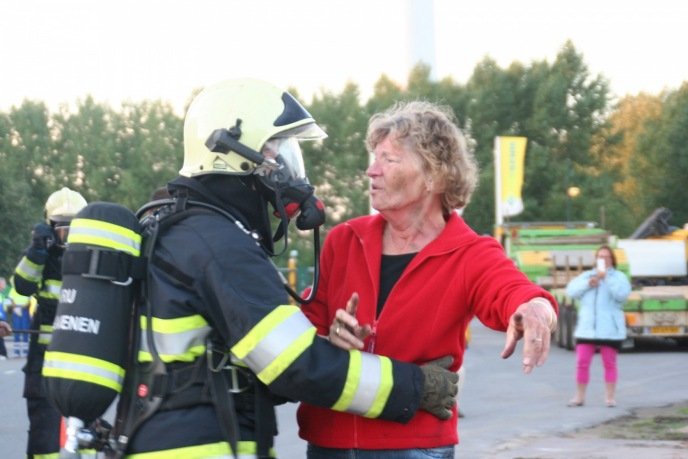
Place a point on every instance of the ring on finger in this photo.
(536, 340)
(336, 330)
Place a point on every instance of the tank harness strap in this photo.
(265, 421)
(183, 386)
(181, 200)
(223, 399)
(188, 386)
(97, 263)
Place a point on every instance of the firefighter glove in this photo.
(440, 388)
(42, 238)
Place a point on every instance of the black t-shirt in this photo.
(390, 271)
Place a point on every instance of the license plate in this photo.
(664, 330)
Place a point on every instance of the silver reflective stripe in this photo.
(277, 341)
(368, 384)
(29, 270)
(46, 334)
(172, 346)
(91, 372)
(84, 230)
(51, 289)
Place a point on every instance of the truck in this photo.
(654, 257)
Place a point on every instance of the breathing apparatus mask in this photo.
(282, 178)
(61, 229)
(280, 169)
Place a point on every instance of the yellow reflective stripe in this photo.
(275, 342)
(245, 450)
(46, 334)
(104, 234)
(368, 385)
(176, 325)
(178, 339)
(51, 289)
(352, 377)
(286, 358)
(210, 450)
(192, 354)
(249, 449)
(29, 270)
(83, 368)
(47, 456)
(263, 328)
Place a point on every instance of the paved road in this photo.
(502, 405)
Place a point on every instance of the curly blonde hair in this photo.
(430, 131)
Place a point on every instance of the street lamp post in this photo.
(572, 193)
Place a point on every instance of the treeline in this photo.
(628, 157)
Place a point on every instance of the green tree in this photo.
(557, 107)
(87, 143)
(149, 137)
(27, 153)
(615, 152)
(16, 195)
(662, 177)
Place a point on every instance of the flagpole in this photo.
(499, 218)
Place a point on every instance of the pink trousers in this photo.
(584, 355)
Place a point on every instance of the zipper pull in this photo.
(371, 338)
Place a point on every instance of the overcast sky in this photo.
(59, 51)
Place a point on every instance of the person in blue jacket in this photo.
(601, 324)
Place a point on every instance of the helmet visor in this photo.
(310, 131)
(286, 151)
(61, 229)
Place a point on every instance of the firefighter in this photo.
(219, 312)
(21, 320)
(38, 274)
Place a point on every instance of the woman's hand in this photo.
(533, 322)
(345, 331)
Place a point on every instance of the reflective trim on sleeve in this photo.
(181, 339)
(83, 368)
(219, 450)
(275, 342)
(45, 335)
(29, 270)
(51, 289)
(368, 385)
(104, 234)
(47, 456)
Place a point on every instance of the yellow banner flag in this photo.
(510, 153)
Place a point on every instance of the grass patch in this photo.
(669, 423)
